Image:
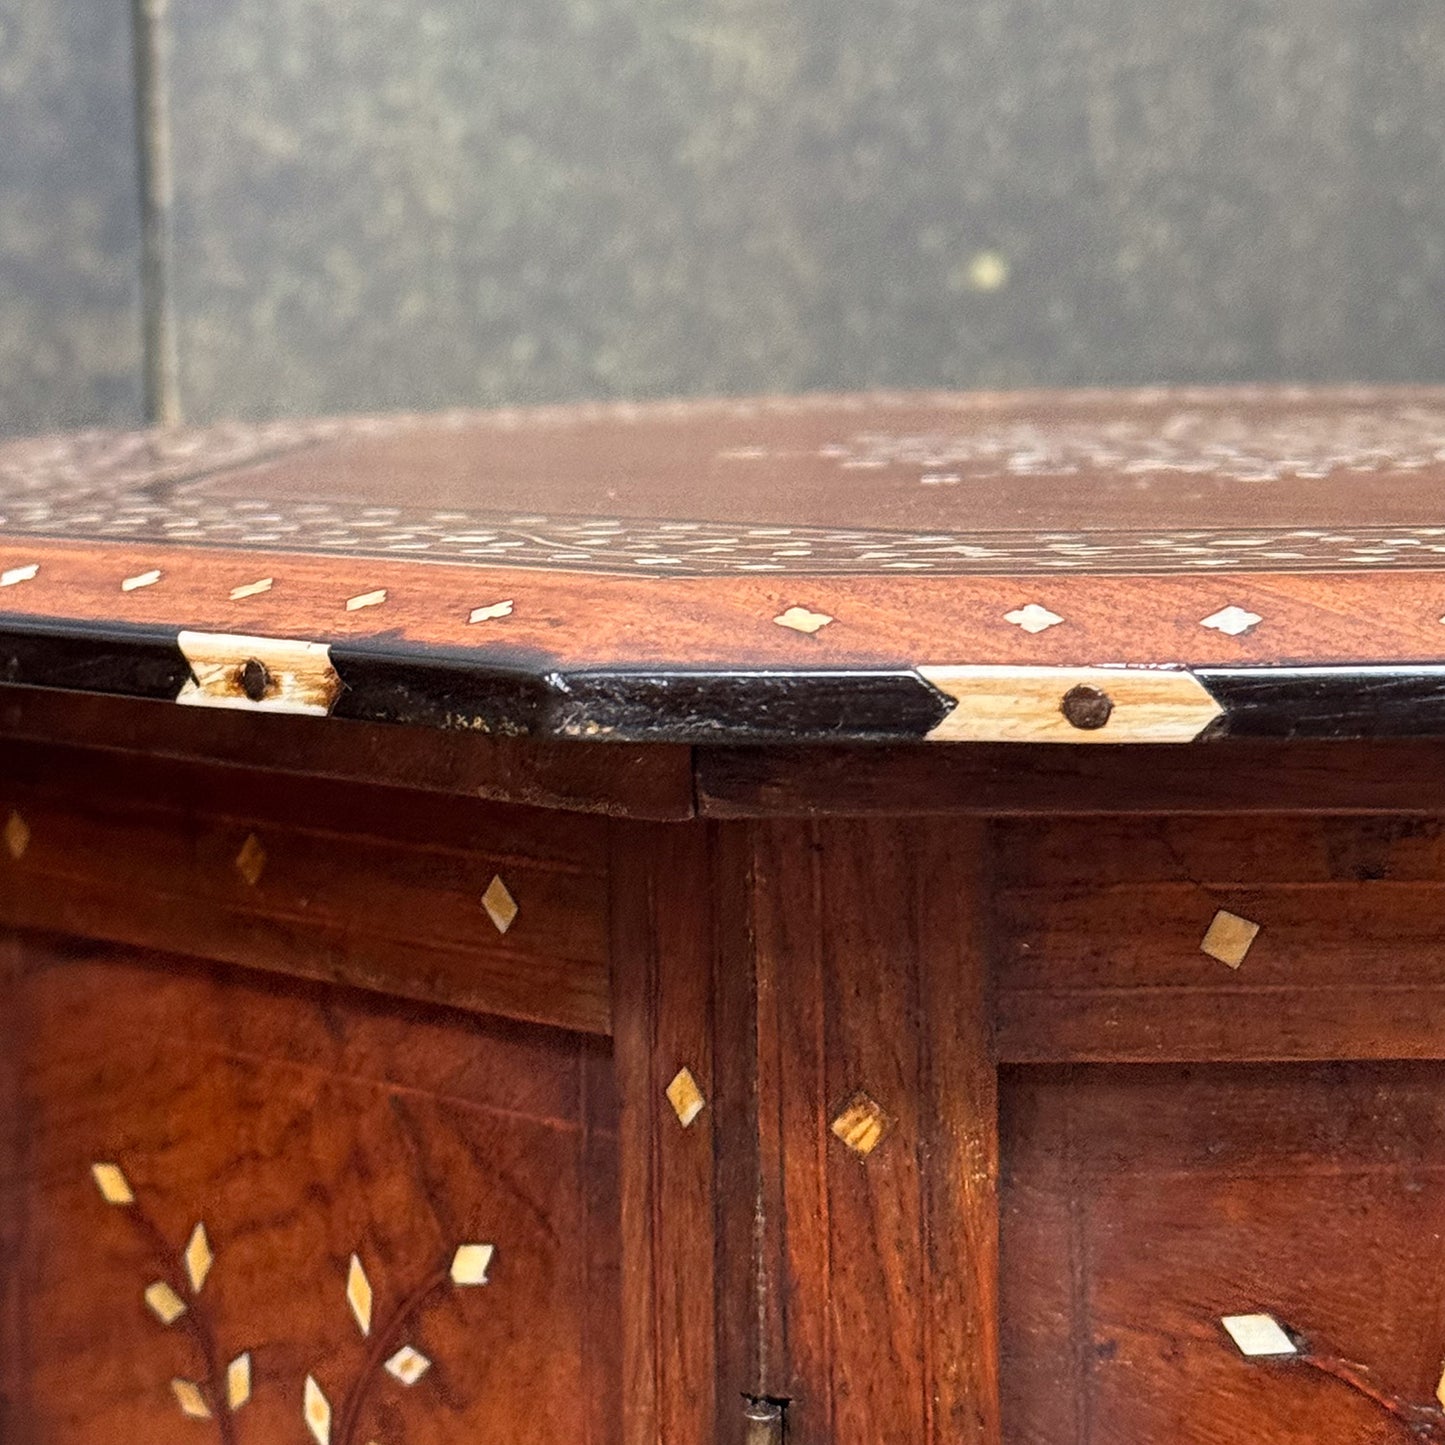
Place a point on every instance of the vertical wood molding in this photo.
(15, 1425)
(662, 948)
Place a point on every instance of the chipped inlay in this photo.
(408, 1365)
(269, 674)
(316, 1409)
(685, 1097)
(862, 1125)
(1229, 938)
(1232, 621)
(113, 1185)
(198, 1257)
(1028, 704)
(251, 860)
(1033, 618)
(165, 1304)
(190, 1399)
(17, 836)
(252, 589)
(490, 613)
(366, 599)
(802, 619)
(358, 1295)
(12, 576)
(1258, 1335)
(141, 579)
(500, 905)
(470, 1264)
(238, 1381)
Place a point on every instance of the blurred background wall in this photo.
(413, 203)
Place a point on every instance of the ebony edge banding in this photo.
(682, 705)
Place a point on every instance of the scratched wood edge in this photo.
(451, 690)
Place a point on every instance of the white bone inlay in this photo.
(366, 599)
(1232, 621)
(801, 619)
(252, 589)
(1257, 1335)
(1033, 618)
(487, 614)
(141, 579)
(1229, 938)
(298, 676)
(12, 575)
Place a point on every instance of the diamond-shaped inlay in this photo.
(490, 613)
(801, 619)
(165, 1304)
(1229, 938)
(317, 1409)
(685, 1097)
(358, 1295)
(500, 905)
(238, 1381)
(11, 575)
(17, 836)
(1440, 1390)
(408, 1365)
(190, 1399)
(862, 1124)
(252, 589)
(113, 1185)
(199, 1258)
(141, 579)
(1258, 1335)
(251, 860)
(1033, 618)
(471, 1262)
(1233, 621)
(366, 599)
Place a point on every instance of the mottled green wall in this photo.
(419, 202)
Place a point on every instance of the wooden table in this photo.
(858, 920)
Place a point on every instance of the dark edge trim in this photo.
(1324, 703)
(112, 658)
(530, 697)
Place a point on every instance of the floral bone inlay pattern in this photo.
(190, 1399)
(470, 1264)
(238, 1381)
(113, 1185)
(317, 1410)
(198, 1257)
(165, 1304)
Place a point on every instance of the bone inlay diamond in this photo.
(862, 1124)
(500, 905)
(1258, 1335)
(252, 589)
(358, 1295)
(12, 575)
(141, 579)
(165, 1304)
(251, 860)
(238, 1381)
(408, 1365)
(1229, 938)
(17, 836)
(1033, 618)
(470, 1264)
(366, 599)
(199, 1258)
(113, 1185)
(801, 619)
(685, 1097)
(189, 1398)
(1233, 621)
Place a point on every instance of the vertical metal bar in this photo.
(160, 360)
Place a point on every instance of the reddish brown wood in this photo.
(877, 1311)
(301, 1126)
(1100, 923)
(356, 885)
(1142, 1204)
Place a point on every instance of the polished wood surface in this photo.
(755, 571)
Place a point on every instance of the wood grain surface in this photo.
(302, 1127)
(778, 569)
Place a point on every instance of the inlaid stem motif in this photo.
(1264, 1337)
